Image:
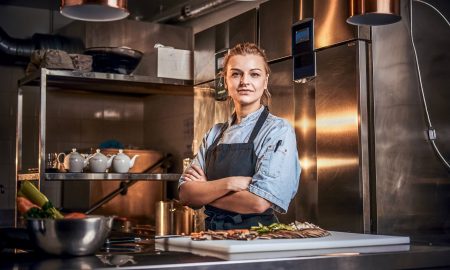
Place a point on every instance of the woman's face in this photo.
(246, 78)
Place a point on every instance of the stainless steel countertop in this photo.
(419, 256)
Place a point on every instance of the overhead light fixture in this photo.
(95, 10)
(374, 12)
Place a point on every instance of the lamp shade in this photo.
(374, 12)
(94, 10)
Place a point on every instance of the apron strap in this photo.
(262, 118)
(222, 130)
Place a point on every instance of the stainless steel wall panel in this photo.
(207, 112)
(303, 9)
(243, 28)
(330, 26)
(204, 49)
(203, 112)
(282, 91)
(330, 23)
(339, 187)
(434, 65)
(222, 36)
(306, 201)
(412, 185)
(275, 21)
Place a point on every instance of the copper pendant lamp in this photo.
(94, 10)
(374, 12)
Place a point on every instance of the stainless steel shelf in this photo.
(109, 82)
(112, 176)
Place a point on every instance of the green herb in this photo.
(261, 229)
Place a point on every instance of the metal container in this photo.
(76, 237)
(172, 218)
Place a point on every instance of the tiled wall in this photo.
(169, 127)
(84, 121)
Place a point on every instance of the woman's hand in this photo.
(194, 173)
(238, 183)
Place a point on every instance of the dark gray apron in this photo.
(236, 159)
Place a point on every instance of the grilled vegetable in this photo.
(30, 192)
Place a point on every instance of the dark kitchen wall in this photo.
(21, 23)
(83, 120)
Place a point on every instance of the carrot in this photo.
(75, 215)
(23, 205)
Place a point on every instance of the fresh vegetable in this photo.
(272, 228)
(30, 192)
(44, 212)
(24, 205)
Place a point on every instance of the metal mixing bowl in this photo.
(76, 237)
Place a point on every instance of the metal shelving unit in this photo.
(108, 82)
(47, 79)
(112, 176)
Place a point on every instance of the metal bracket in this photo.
(432, 134)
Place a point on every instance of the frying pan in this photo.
(122, 60)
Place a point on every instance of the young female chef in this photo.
(247, 167)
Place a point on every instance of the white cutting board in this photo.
(260, 248)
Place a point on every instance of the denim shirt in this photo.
(277, 172)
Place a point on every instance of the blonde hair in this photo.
(245, 49)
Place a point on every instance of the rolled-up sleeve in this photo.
(278, 169)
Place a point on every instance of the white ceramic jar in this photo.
(98, 162)
(122, 163)
(74, 162)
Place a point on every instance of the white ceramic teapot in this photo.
(98, 162)
(122, 163)
(74, 162)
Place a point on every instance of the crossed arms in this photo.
(229, 193)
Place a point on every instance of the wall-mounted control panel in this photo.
(304, 57)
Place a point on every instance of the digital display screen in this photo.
(302, 35)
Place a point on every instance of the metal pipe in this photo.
(15, 47)
(187, 12)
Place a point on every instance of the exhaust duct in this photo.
(20, 50)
